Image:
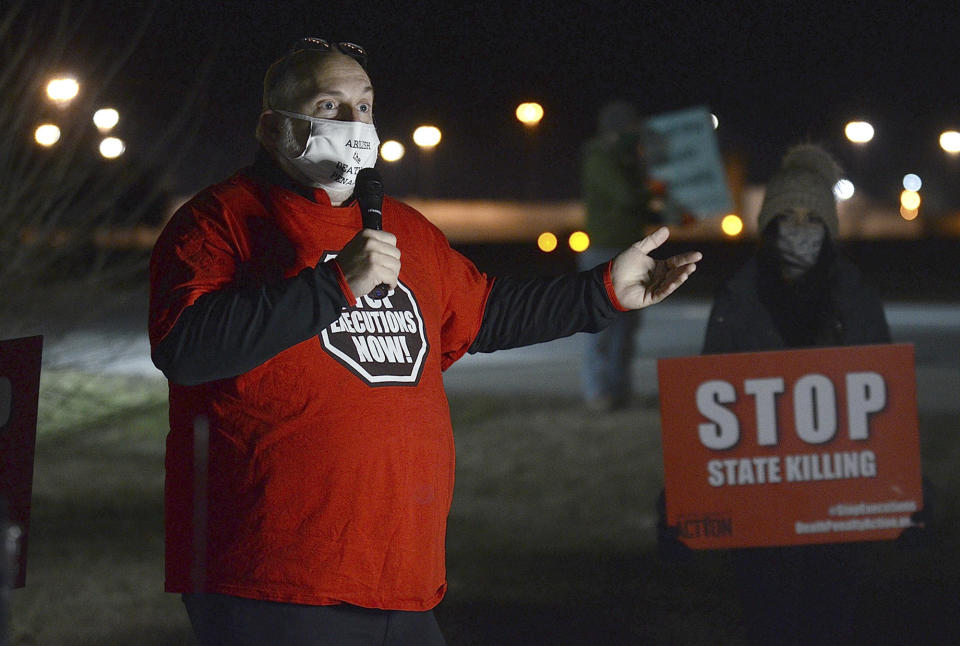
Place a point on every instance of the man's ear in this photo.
(268, 126)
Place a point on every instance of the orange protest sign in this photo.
(19, 390)
(790, 447)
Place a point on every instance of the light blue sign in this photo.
(681, 151)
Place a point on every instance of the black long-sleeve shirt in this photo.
(228, 332)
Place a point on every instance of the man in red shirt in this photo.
(310, 457)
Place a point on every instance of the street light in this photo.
(912, 182)
(47, 134)
(731, 225)
(910, 200)
(579, 241)
(859, 132)
(908, 214)
(950, 141)
(427, 136)
(392, 150)
(529, 114)
(844, 189)
(62, 90)
(105, 119)
(547, 242)
(111, 147)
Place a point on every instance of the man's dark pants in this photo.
(222, 620)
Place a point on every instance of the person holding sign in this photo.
(310, 458)
(620, 203)
(797, 291)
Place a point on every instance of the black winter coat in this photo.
(755, 311)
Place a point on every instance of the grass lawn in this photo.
(551, 538)
(95, 556)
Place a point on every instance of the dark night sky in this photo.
(775, 74)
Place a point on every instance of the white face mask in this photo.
(335, 151)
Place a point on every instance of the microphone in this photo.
(369, 189)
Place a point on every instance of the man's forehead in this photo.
(338, 72)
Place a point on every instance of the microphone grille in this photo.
(369, 184)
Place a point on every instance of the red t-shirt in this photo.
(325, 474)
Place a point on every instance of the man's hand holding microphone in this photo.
(370, 262)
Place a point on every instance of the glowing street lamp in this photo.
(950, 141)
(859, 132)
(392, 150)
(111, 147)
(912, 182)
(844, 189)
(427, 136)
(47, 134)
(529, 114)
(63, 90)
(105, 119)
(731, 225)
(909, 204)
(579, 241)
(547, 242)
(910, 200)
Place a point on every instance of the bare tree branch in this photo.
(61, 206)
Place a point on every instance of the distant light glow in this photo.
(859, 132)
(111, 147)
(950, 141)
(912, 182)
(426, 136)
(731, 225)
(910, 200)
(715, 120)
(908, 214)
(843, 189)
(529, 114)
(392, 150)
(547, 242)
(47, 134)
(63, 90)
(105, 119)
(579, 241)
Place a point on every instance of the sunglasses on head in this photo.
(354, 51)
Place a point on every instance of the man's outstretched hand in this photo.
(639, 280)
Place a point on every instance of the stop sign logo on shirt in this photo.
(382, 341)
